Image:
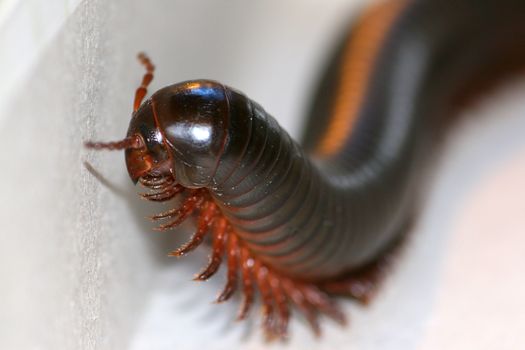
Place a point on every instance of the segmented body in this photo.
(298, 224)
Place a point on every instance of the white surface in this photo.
(26, 28)
(479, 300)
(66, 280)
(80, 267)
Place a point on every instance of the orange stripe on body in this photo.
(358, 60)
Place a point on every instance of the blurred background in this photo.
(80, 267)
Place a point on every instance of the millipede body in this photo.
(296, 223)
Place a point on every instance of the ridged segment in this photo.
(317, 218)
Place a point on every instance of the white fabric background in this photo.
(81, 269)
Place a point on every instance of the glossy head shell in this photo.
(186, 123)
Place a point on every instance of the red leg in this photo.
(206, 218)
(233, 256)
(180, 214)
(219, 237)
(282, 305)
(246, 269)
(261, 276)
(364, 283)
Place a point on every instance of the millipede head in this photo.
(181, 129)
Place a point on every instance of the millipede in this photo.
(298, 224)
